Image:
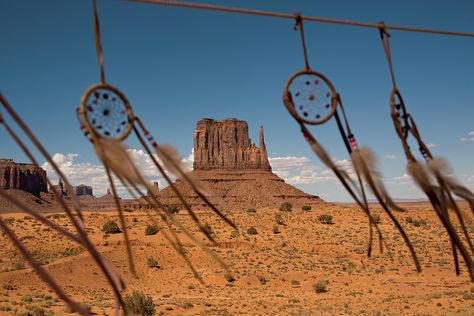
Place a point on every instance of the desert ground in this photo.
(294, 265)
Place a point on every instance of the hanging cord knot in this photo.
(383, 30)
(299, 24)
(298, 21)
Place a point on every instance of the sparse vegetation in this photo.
(251, 210)
(325, 219)
(138, 303)
(111, 227)
(375, 218)
(286, 207)
(306, 208)
(152, 263)
(415, 222)
(151, 229)
(320, 286)
(207, 228)
(279, 219)
(8, 220)
(252, 231)
(276, 229)
(173, 209)
(229, 277)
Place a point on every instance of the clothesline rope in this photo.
(292, 16)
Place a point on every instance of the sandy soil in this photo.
(275, 273)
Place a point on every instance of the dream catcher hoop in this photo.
(434, 177)
(312, 99)
(107, 119)
(106, 111)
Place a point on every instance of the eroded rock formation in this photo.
(225, 144)
(236, 172)
(27, 177)
(83, 189)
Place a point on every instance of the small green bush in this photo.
(325, 219)
(173, 209)
(375, 218)
(152, 263)
(252, 231)
(138, 303)
(111, 227)
(286, 207)
(320, 286)
(251, 210)
(207, 228)
(151, 229)
(276, 229)
(409, 220)
(306, 208)
(8, 220)
(279, 219)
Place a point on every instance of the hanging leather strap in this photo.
(384, 36)
(98, 45)
(299, 24)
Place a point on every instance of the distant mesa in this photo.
(83, 189)
(22, 176)
(235, 170)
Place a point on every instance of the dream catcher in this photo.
(73, 212)
(312, 100)
(107, 119)
(434, 176)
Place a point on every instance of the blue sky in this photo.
(177, 66)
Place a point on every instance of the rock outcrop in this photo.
(154, 191)
(236, 172)
(27, 177)
(83, 189)
(225, 144)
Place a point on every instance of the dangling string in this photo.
(299, 24)
(384, 36)
(98, 44)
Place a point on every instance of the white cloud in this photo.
(390, 157)
(404, 179)
(95, 176)
(299, 170)
(468, 138)
(431, 145)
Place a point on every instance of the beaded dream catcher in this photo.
(73, 212)
(107, 119)
(434, 176)
(311, 99)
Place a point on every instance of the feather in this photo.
(115, 156)
(441, 167)
(365, 163)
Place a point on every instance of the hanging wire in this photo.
(292, 16)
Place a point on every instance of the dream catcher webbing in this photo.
(107, 119)
(312, 99)
(73, 213)
(440, 191)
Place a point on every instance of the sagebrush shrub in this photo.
(306, 208)
(252, 231)
(110, 227)
(151, 230)
(138, 303)
(325, 219)
(286, 207)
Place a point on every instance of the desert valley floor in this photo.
(308, 268)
